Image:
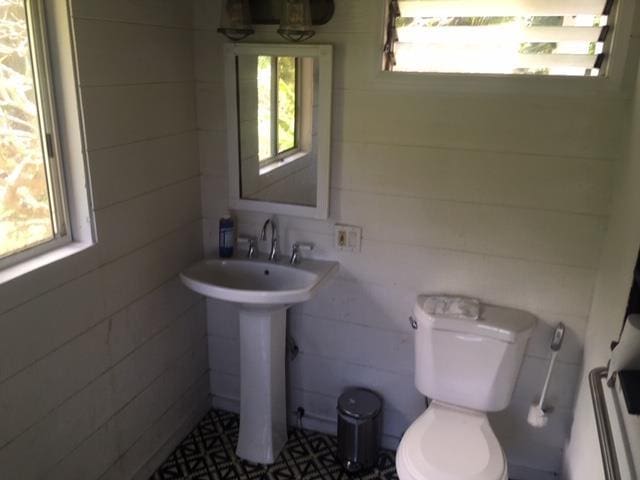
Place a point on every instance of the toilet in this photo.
(467, 359)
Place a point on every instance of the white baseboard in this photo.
(519, 472)
(310, 421)
(225, 403)
(326, 425)
(187, 425)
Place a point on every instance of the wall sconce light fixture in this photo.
(295, 20)
(235, 20)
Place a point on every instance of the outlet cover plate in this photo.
(347, 238)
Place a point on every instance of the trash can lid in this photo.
(359, 403)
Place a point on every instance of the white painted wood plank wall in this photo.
(500, 196)
(103, 356)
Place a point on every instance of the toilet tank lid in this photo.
(500, 323)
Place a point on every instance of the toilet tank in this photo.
(467, 362)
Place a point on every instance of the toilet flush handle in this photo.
(413, 323)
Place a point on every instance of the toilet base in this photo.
(448, 442)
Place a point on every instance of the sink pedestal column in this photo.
(263, 410)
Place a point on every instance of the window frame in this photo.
(69, 144)
(621, 68)
(269, 164)
(40, 54)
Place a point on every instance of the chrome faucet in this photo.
(273, 254)
(252, 250)
(295, 252)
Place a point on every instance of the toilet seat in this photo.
(450, 443)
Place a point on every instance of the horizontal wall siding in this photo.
(500, 196)
(103, 355)
(523, 124)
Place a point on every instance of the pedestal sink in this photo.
(262, 291)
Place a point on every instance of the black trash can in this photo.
(359, 425)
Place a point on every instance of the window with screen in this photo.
(530, 37)
(33, 214)
(277, 100)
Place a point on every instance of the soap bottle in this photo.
(227, 237)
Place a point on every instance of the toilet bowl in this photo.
(467, 359)
(449, 443)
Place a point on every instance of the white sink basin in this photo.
(262, 292)
(258, 282)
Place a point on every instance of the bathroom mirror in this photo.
(279, 121)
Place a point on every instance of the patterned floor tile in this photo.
(208, 453)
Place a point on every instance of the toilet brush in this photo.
(537, 417)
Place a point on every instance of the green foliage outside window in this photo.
(276, 79)
(286, 103)
(264, 108)
(25, 212)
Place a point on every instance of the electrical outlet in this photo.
(347, 238)
(342, 239)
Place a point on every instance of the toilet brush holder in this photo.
(538, 416)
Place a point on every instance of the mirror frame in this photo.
(324, 56)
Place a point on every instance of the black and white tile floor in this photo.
(208, 453)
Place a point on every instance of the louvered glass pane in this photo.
(497, 33)
(442, 58)
(510, 36)
(497, 8)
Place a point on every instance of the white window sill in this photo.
(40, 261)
(474, 83)
(281, 163)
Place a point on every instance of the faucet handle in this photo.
(295, 251)
(251, 242)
